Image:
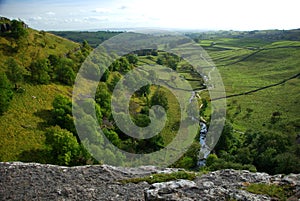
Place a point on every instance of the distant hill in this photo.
(263, 35)
(93, 38)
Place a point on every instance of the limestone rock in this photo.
(32, 181)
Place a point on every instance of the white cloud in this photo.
(96, 18)
(193, 14)
(37, 18)
(101, 10)
(50, 13)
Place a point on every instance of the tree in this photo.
(113, 82)
(62, 113)
(64, 71)
(85, 48)
(6, 93)
(17, 29)
(40, 71)
(172, 63)
(144, 90)
(14, 71)
(64, 147)
(287, 163)
(159, 98)
(190, 158)
(132, 59)
(112, 137)
(226, 139)
(103, 98)
(54, 60)
(91, 71)
(90, 107)
(105, 76)
(160, 61)
(88, 126)
(141, 120)
(125, 66)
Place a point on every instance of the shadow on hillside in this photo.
(35, 155)
(46, 116)
(8, 50)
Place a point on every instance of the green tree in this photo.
(64, 147)
(40, 71)
(85, 48)
(14, 71)
(172, 63)
(266, 160)
(190, 158)
(88, 126)
(144, 90)
(226, 139)
(53, 59)
(91, 71)
(113, 82)
(103, 98)
(159, 98)
(64, 71)
(17, 29)
(125, 66)
(160, 61)
(112, 137)
(141, 120)
(105, 76)
(132, 58)
(287, 163)
(62, 113)
(6, 93)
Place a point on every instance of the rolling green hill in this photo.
(22, 126)
(245, 69)
(260, 71)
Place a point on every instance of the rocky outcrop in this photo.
(5, 27)
(220, 185)
(31, 181)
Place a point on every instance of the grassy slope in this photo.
(21, 127)
(245, 69)
(36, 45)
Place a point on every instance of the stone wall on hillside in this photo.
(32, 181)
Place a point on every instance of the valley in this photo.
(260, 73)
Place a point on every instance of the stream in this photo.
(203, 131)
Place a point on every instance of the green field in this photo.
(23, 125)
(243, 70)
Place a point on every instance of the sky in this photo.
(166, 14)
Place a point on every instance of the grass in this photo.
(22, 126)
(275, 62)
(274, 191)
(162, 177)
(283, 98)
(36, 45)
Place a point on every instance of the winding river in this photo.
(204, 151)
